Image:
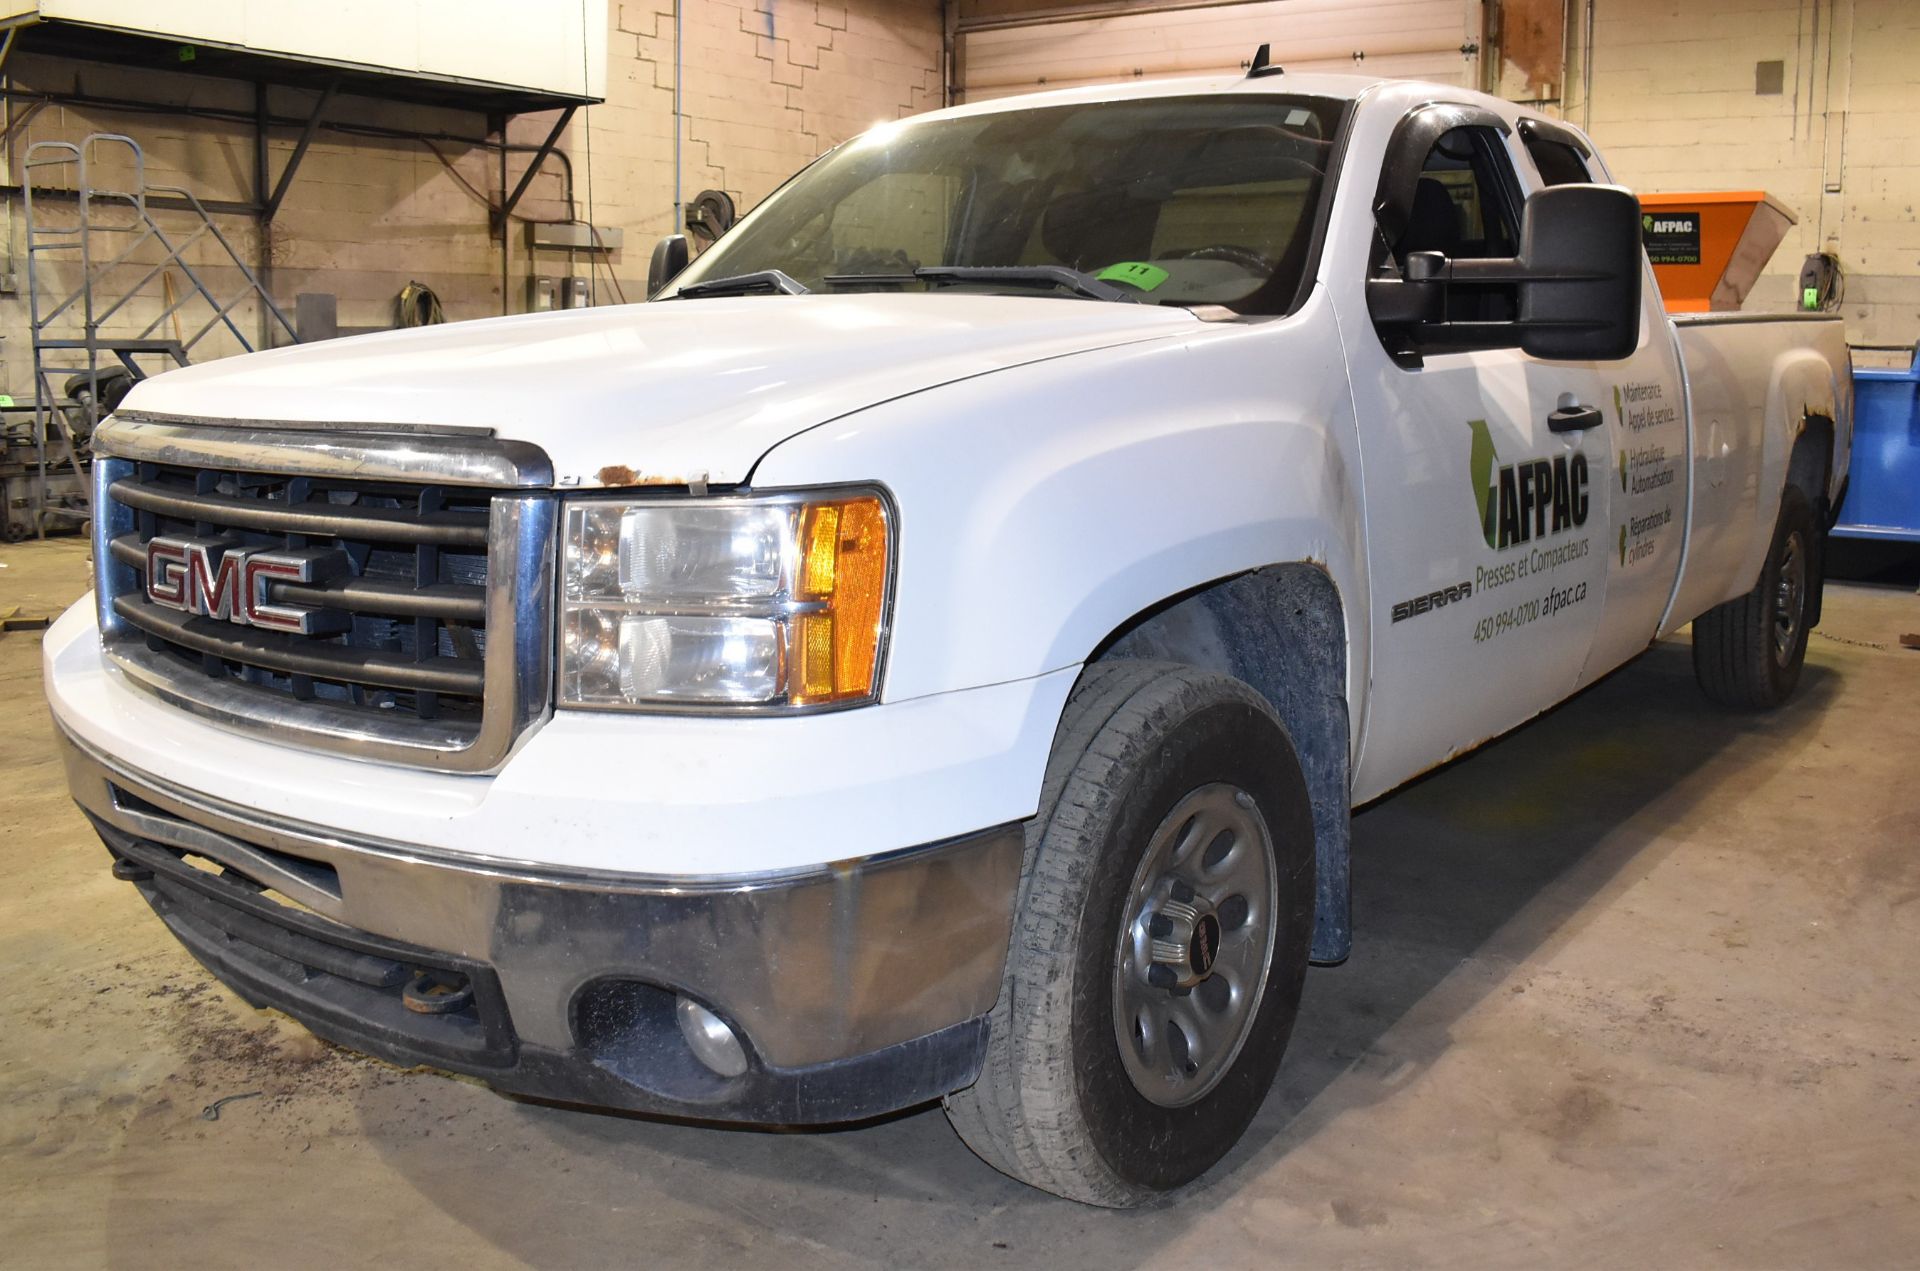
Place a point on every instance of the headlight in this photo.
(751, 602)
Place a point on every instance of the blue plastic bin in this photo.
(1883, 493)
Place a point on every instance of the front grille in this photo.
(426, 610)
(413, 606)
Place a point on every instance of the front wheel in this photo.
(1748, 652)
(1161, 941)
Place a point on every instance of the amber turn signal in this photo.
(842, 582)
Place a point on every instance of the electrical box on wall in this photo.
(578, 294)
(1820, 287)
(542, 294)
(316, 316)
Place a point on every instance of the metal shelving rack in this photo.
(261, 43)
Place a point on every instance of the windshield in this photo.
(1184, 200)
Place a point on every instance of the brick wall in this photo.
(768, 84)
(1675, 107)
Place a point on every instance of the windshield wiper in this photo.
(744, 284)
(1027, 275)
(878, 280)
(1020, 275)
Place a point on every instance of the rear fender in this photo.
(1802, 388)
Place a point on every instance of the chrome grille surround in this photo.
(509, 681)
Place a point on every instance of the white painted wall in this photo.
(1674, 106)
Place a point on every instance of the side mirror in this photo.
(1580, 254)
(1576, 280)
(670, 256)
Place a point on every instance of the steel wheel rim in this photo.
(1789, 599)
(1209, 872)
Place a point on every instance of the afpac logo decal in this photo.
(1532, 499)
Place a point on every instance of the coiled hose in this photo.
(418, 306)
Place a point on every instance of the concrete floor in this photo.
(1634, 987)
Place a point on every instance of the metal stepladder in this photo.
(89, 331)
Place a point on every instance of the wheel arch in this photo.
(1803, 401)
(1810, 462)
(1282, 629)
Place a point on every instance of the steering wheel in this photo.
(1245, 257)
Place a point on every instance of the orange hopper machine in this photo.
(1708, 249)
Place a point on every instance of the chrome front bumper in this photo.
(858, 987)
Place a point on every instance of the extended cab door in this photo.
(1485, 471)
(1647, 438)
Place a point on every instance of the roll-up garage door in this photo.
(1001, 51)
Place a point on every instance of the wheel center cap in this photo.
(1205, 945)
(1185, 943)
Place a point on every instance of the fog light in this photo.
(713, 1043)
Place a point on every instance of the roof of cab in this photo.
(1338, 86)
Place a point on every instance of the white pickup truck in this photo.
(930, 651)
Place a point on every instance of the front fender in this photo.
(1043, 506)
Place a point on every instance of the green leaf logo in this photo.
(1480, 462)
(1619, 412)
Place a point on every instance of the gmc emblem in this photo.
(223, 579)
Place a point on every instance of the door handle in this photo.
(1574, 418)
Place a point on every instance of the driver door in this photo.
(1485, 524)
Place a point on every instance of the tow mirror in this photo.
(1576, 281)
(1580, 252)
(670, 256)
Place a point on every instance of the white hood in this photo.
(655, 393)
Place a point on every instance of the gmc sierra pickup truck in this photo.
(931, 649)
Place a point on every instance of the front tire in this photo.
(1160, 944)
(1747, 653)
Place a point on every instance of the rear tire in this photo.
(1747, 653)
(1168, 889)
